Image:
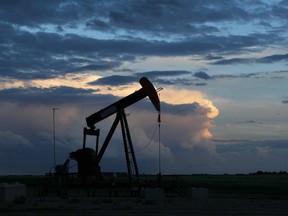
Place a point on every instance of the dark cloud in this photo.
(285, 100)
(156, 74)
(200, 84)
(97, 24)
(62, 94)
(185, 109)
(249, 122)
(232, 76)
(151, 16)
(39, 53)
(238, 146)
(202, 75)
(213, 57)
(225, 76)
(115, 80)
(174, 81)
(170, 77)
(102, 66)
(265, 60)
(273, 58)
(237, 141)
(280, 10)
(233, 61)
(147, 16)
(33, 14)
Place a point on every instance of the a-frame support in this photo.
(128, 147)
(127, 141)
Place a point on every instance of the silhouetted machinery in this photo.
(88, 160)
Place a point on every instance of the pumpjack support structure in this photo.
(89, 159)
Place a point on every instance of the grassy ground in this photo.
(271, 184)
(239, 184)
(245, 195)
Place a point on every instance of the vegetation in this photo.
(255, 183)
(263, 183)
(29, 180)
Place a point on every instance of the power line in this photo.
(150, 141)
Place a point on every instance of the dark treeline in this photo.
(268, 173)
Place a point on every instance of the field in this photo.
(261, 184)
(264, 194)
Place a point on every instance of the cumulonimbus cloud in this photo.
(187, 117)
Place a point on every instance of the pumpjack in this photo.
(88, 159)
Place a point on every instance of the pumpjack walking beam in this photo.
(146, 90)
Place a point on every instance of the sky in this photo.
(222, 66)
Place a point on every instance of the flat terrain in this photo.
(136, 206)
(228, 195)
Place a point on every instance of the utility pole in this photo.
(54, 136)
(159, 121)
